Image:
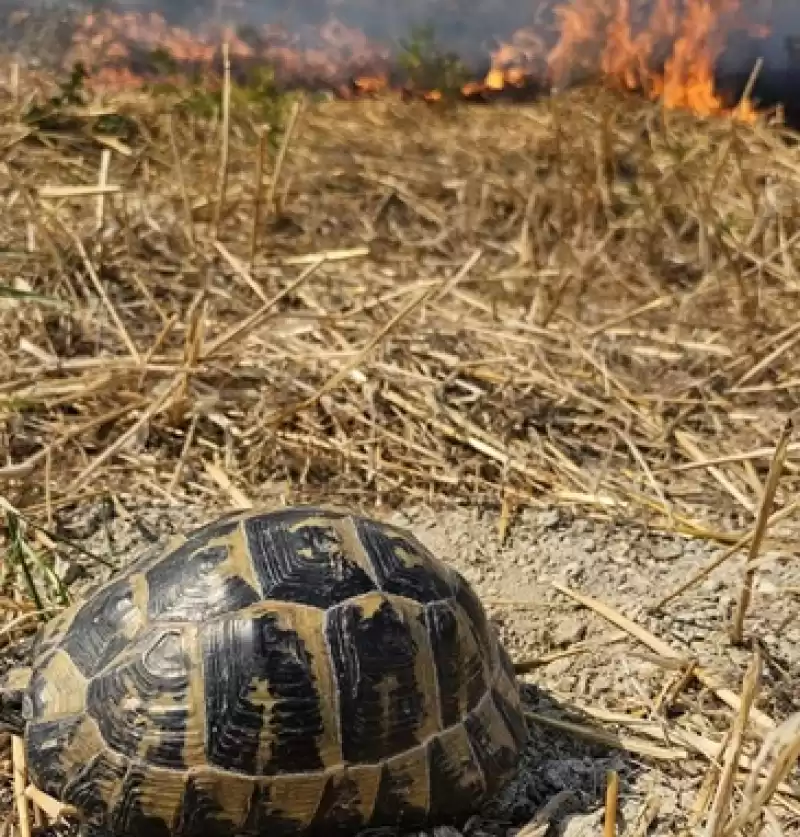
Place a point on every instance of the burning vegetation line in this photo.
(666, 50)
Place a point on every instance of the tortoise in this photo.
(283, 673)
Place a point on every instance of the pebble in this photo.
(583, 825)
(713, 585)
(548, 519)
(574, 571)
(666, 550)
(568, 632)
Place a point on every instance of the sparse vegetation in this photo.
(65, 111)
(429, 67)
(254, 97)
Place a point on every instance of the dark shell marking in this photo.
(302, 672)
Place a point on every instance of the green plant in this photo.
(71, 94)
(63, 111)
(21, 556)
(254, 98)
(429, 67)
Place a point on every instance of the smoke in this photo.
(471, 30)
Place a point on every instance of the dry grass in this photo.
(574, 302)
(585, 302)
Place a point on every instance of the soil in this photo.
(562, 777)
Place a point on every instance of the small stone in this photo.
(69, 571)
(446, 831)
(582, 825)
(569, 632)
(713, 585)
(666, 550)
(573, 571)
(581, 526)
(548, 519)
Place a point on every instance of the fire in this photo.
(688, 80)
(667, 52)
(694, 35)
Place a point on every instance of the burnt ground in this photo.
(562, 777)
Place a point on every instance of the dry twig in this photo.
(612, 799)
(20, 782)
(733, 700)
(760, 529)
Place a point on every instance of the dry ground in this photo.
(559, 341)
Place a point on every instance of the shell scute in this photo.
(203, 811)
(51, 634)
(284, 806)
(47, 744)
(492, 742)
(402, 565)
(102, 627)
(462, 670)
(383, 669)
(95, 788)
(347, 801)
(404, 791)
(478, 622)
(145, 706)
(456, 776)
(310, 559)
(196, 582)
(143, 809)
(57, 689)
(506, 697)
(148, 803)
(268, 687)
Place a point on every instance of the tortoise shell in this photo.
(297, 672)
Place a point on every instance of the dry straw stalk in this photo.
(579, 302)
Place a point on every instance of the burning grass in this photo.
(692, 54)
(588, 302)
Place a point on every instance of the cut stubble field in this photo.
(559, 341)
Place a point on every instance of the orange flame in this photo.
(593, 37)
(600, 36)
